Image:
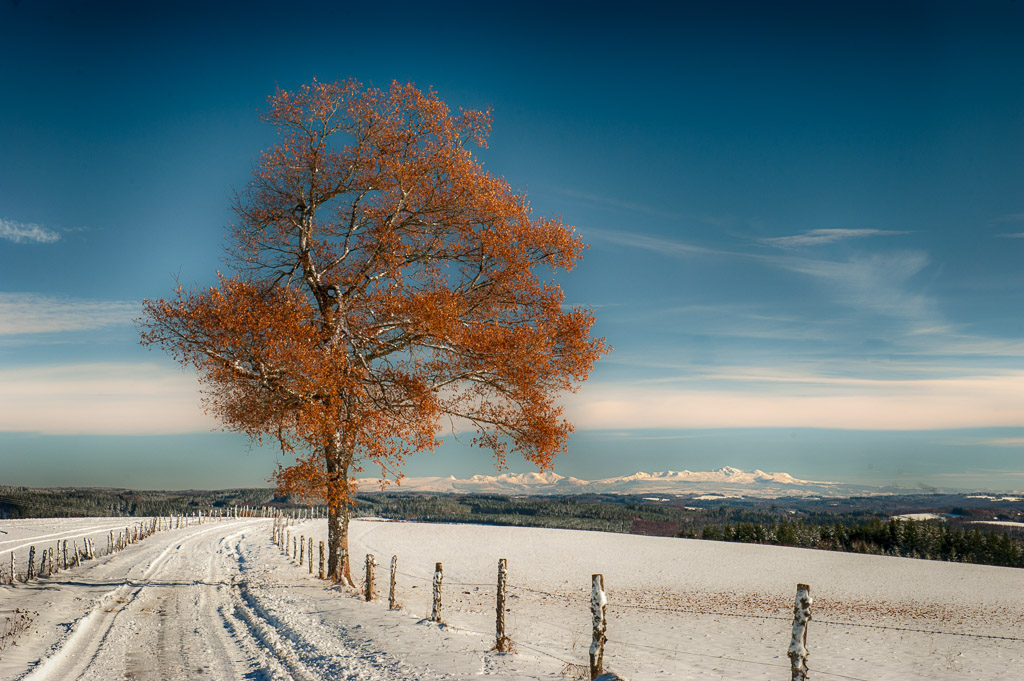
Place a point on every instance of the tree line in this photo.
(928, 539)
(71, 502)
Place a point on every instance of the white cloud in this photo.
(1015, 235)
(818, 237)
(26, 313)
(22, 232)
(669, 247)
(752, 401)
(615, 203)
(101, 399)
(878, 282)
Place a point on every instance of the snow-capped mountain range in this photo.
(726, 481)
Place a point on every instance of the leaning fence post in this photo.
(501, 643)
(392, 605)
(323, 574)
(370, 564)
(598, 611)
(435, 612)
(798, 646)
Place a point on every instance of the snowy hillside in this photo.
(725, 481)
(220, 601)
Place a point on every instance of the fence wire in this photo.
(573, 598)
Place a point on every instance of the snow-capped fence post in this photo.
(310, 555)
(598, 611)
(323, 573)
(31, 563)
(798, 646)
(370, 564)
(392, 603)
(501, 642)
(435, 612)
(302, 549)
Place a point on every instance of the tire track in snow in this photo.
(117, 613)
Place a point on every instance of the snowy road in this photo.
(178, 605)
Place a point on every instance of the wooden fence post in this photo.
(14, 565)
(370, 564)
(31, 563)
(435, 612)
(323, 573)
(77, 555)
(310, 555)
(65, 565)
(302, 549)
(49, 562)
(295, 548)
(598, 611)
(798, 646)
(392, 604)
(501, 642)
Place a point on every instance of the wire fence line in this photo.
(667, 653)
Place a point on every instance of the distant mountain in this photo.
(724, 482)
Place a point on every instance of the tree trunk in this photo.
(338, 510)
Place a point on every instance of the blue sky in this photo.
(806, 222)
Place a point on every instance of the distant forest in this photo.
(75, 502)
(958, 538)
(858, 525)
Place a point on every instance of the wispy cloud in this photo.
(1015, 235)
(1010, 217)
(669, 247)
(879, 282)
(616, 203)
(990, 442)
(993, 400)
(28, 313)
(27, 232)
(101, 399)
(818, 237)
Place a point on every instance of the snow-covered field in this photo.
(220, 601)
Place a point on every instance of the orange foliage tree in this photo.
(382, 284)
